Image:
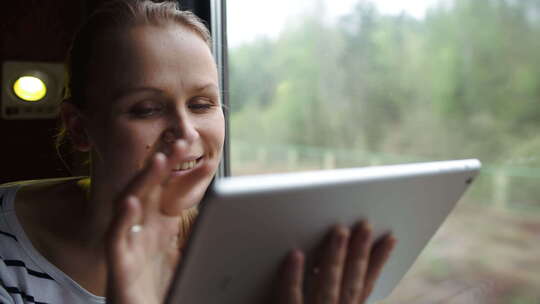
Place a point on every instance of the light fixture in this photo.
(31, 90)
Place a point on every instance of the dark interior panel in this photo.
(41, 31)
(34, 31)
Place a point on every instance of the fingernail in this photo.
(340, 236)
(181, 144)
(365, 226)
(392, 239)
(295, 257)
(159, 156)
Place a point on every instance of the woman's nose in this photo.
(182, 129)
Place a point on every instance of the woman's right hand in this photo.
(345, 273)
(143, 245)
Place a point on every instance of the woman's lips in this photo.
(185, 167)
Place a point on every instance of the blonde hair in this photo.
(114, 14)
(186, 224)
(119, 14)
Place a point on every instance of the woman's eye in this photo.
(143, 111)
(201, 105)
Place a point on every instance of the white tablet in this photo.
(248, 224)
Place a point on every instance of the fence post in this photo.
(262, 155)
(500, 191)
(329, 160)
(374, 160)
(292, 158)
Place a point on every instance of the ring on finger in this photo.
(135, 228)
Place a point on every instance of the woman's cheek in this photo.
(134, 149)
(217, 132)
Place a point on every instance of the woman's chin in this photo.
(187, 187)
(189, 199)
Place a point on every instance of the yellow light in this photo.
(30, 88)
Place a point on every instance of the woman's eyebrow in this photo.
(207, 87)
(120, 93)
(123, 92)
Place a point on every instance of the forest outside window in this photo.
(321, 85)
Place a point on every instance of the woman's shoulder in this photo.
(16, 184)
(38, 185)
(8, 192)
(29, 195)
(41, 182)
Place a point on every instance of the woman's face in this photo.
(150, 86)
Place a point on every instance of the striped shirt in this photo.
(25, 275)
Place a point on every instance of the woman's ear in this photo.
(73, 121)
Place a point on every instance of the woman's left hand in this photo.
(346, 271)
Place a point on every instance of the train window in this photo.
(329, 84)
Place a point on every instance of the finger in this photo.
(291, 280)
(129, 215)
(378, 258)
(151, 176)
(357, 264)
(148, 184)
(179, 150)
(178, 191)
(329, 279)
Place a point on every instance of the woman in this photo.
(143, 102)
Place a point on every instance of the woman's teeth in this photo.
(185, 165)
